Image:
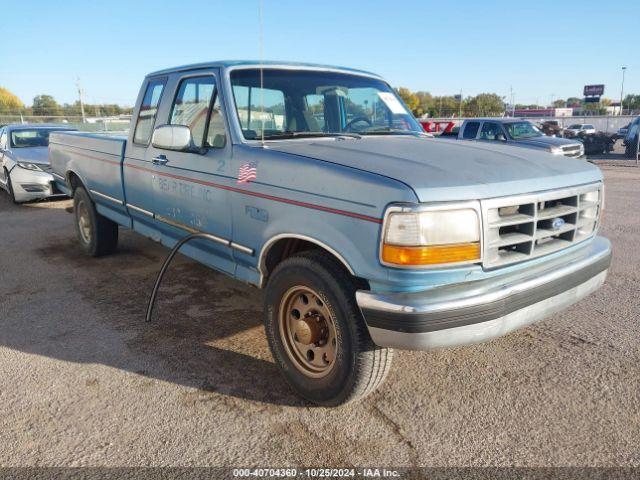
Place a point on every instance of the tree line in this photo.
(46, 105)
(490, 104)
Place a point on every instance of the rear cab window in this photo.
(471, 130)
(148, 111)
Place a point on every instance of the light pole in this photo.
(624, 69)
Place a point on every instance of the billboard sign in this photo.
(593, 90)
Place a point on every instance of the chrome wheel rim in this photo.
(308, 332)
(84, 221)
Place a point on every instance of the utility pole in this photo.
(624, 69)
(80, 98)
(460, 106)
(513, 105)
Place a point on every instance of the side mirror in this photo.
(501, 137)
(172, 137)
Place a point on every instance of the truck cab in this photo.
(316, 184)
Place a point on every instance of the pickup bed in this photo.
(316, 184)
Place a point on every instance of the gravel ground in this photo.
(83, 381)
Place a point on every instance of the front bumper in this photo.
(478, 311)
(32, 185)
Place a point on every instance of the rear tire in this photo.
(97, 234)
(314, 287)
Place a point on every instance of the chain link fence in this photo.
(114, 124)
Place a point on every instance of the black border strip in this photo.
(459, 317)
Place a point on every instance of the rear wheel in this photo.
(317, 334)
(97, 234)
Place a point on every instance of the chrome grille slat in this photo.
(523, 227)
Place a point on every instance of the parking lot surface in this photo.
(84, 381)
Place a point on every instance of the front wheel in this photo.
(317, 334)
(97, 234)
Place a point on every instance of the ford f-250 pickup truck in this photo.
(318, 185)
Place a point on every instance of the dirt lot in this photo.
(83, 381)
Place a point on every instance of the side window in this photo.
(3, 139)
(191, 106)
(489, 131)
(253, 116)
(471, 130)
(148, 111)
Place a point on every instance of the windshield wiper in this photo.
(394, 131)
(289, 134)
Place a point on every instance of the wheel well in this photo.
(73, 181)
(286, 247)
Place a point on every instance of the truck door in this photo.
(137, 167)
(189, 187)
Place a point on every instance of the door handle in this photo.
(160, 160)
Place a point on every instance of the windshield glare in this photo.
(518, 130)
(30, 138)
(315, 103)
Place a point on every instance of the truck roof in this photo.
(498, 119)
(257, 63)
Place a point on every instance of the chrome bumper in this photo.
(478, 311)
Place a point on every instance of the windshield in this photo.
(30, 138)
(317, 103)
(518, 130)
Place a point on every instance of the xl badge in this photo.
(557, 223)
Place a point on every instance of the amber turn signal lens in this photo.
(433, 255)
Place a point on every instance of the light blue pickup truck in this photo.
(316, 184)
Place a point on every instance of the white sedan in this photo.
(24, 162)
(578, 128)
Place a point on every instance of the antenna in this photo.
(80, 98)
(261, 41)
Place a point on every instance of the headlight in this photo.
(29, 166)
(555, 150)
(415, 236)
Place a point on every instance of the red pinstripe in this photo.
(243, 191)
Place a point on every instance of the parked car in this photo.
(622, 131)
(577, 128)
(631, 139)
(24, 162)
(551, 128)
(519, 133)
(365, 233)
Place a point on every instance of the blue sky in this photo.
(539, 47)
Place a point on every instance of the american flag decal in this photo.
(247, 172)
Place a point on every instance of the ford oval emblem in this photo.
(557, 223)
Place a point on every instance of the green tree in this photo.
(574, 102)
(410, 99)
(559, 103)
(632, 102)
(46, 105)
(484, 104)
(9, 103)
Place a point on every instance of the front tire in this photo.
(317, 334)
(97, 234)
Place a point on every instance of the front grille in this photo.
(528, 226)
(572, 150)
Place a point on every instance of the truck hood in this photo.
(39, 155)
(449, 170)
(546, 141)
